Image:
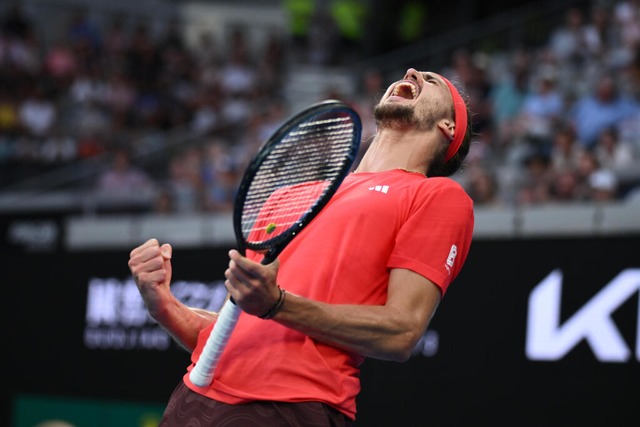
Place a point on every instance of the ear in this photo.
(447, 127)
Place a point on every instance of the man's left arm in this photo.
(388, 332)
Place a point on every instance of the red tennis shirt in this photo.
(374, 223)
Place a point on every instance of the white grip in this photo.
(202, 373)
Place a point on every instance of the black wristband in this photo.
(276, 307)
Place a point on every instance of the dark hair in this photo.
(438, 167)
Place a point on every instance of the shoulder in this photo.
(445, 192)
(445, 185)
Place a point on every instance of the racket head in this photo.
(293, 176)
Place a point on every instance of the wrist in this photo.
(276, 307)
(161, 306)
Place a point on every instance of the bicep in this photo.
(415, 296)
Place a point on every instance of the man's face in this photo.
(417, 101)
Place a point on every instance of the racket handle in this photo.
(202, 373)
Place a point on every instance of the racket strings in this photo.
(295, 175)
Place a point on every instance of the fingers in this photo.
(235, 274)
(150, 262)
(245, 265)
(252, 285)
(148, 244)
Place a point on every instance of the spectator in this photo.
(238, 81)
(207, 110)
(61, 64)
(564, 186)
(543, 107)
(603, 185)
(612, 153)
(237, 75)
(184, 183)
(536, 181)
(116, 40)
(565, 151)
(124, 186)
(482, 187)
(88, 86)
(163, 203)
(572, 42)
(627, 20)
(619, 157)
(20, 52)
(605, 107)
(37, 113)
(507, 97)
(120, 95)
(221, 178)
(587, 166)
(83, 34)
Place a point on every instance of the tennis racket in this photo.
(288, 182)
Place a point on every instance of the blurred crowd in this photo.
(557, 123)
(120, 93)
(561, 122)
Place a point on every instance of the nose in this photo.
(412, 74)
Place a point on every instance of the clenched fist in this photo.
(150, 265)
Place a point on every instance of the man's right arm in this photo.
(150, 265)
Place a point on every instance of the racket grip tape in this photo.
(202, 373)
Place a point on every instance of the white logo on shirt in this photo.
(380, 188)
(452, 257)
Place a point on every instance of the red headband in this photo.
(460, 110)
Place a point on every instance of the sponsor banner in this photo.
(116, 318)
(533, 332)
(31, 233)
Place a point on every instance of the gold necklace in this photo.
(410, 171)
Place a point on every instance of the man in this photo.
(363, 280)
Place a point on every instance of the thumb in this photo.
(275, 265)
(166, 251)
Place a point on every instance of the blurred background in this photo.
(123, 120)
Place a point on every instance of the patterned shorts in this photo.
(189, 409)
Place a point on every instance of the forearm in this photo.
(381, 332)
(388, 331)
(181, 322)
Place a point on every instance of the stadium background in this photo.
(80, 347)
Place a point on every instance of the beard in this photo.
(395, 116)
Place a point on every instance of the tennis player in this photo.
(363, 279)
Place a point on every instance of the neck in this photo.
(393, 149)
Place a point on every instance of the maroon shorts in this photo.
(187, 408)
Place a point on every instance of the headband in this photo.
(460, 111)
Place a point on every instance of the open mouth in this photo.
(405, 90)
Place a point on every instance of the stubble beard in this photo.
(396, 116)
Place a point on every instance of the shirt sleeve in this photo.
(434, 240)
